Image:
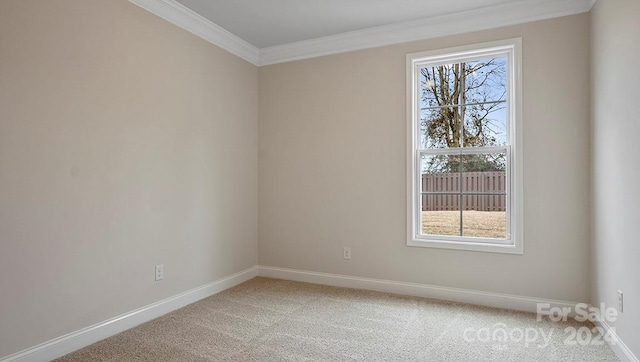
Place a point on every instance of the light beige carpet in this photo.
(276, 320)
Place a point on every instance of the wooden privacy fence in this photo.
(491, 184)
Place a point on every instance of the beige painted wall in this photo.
(615, 31)
(125, 142)
(332, 157)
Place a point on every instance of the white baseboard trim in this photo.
(497, 300)
(73, 341)
(617, 345)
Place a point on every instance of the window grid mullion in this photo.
(464, 193)
(466, 104)
(463, 109)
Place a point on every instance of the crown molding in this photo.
(512, 13)
(464, 22)
(187, 19)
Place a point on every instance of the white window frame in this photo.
(513, 244)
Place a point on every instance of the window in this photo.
(464, 159)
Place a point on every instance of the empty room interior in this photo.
(203, 180)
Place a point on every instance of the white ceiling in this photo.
(265, 23)
(267, 32)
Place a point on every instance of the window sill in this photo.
(468, 246)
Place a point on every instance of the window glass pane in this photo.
(485, 80)
(484, 173)
(440, 127)
(484, 162)
(440, 173)
(484, 216)
(439, 85)
(484, 182)
(440, 214)
(485, 125)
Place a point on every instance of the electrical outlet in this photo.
(159, 272)
(346, 253)
(620, 301)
